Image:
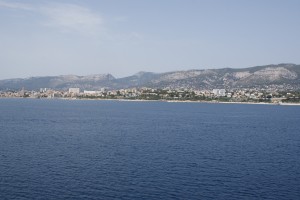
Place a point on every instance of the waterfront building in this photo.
(74, 90)
(219, 92)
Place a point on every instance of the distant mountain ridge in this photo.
(281, 75)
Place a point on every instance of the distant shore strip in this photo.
(167, 101)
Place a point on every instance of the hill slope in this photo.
(282, 75)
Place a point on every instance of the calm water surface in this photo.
(58, 149)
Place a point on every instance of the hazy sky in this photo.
(122, 37)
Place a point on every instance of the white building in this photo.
(74, 90)
(42, 90)
(90, 92)
(219, 92)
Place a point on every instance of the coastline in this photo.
(167, 101)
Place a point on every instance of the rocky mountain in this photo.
(59, 82)
(260, 77)
(282, 75)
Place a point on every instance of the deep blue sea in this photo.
(81, 149)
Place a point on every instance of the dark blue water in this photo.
(58, 149)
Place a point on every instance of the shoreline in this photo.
(167, 101)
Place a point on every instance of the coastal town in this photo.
(165, 94)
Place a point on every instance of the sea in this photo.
(96, 149)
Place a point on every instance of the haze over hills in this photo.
(281, 75)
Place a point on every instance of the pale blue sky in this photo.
(122, 37)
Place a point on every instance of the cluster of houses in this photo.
(158, 94)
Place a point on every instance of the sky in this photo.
(123, 37)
